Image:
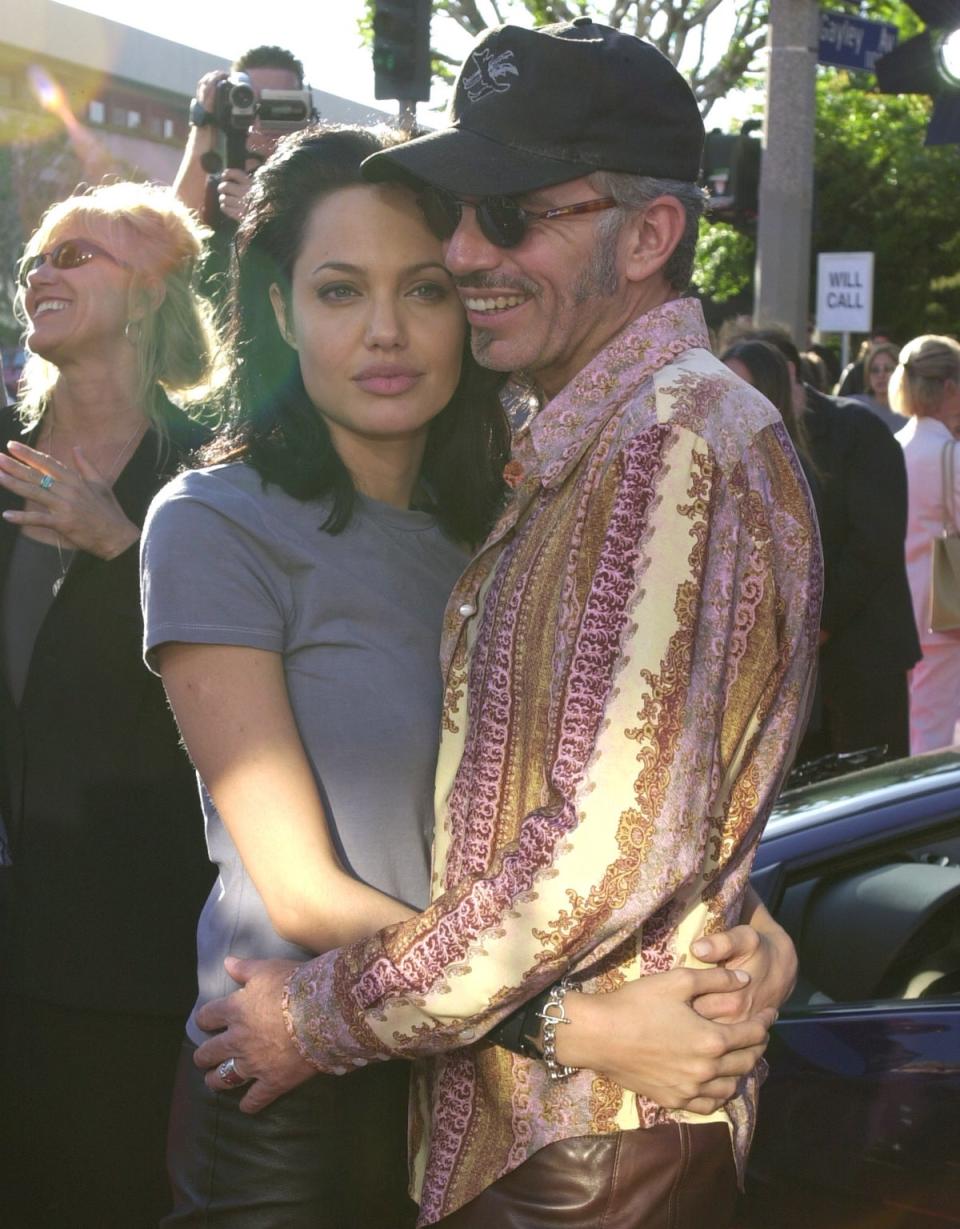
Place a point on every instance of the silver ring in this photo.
(228, 1072)
(46, 482)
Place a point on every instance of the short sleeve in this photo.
(208, 574)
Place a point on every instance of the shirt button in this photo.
(468, 609)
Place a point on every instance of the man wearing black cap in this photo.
(626, 665)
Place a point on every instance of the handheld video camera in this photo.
(236, 108)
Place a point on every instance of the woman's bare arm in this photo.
(234, 713)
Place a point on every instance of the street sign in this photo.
(845, 292)
(854, 42)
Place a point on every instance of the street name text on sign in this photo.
(845, 292)
(854, 42)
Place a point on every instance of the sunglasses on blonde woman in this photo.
(70, 254)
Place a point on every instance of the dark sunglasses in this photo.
(500, 218)
(70, 254)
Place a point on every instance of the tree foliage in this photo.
(879, 189)
(679, 28)
(723, 272)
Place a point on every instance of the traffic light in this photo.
(401, 49)
(731, 175)
(929, 63)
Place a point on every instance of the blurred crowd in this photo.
(12, 362)
(873, 450)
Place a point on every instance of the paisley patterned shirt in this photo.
(627, 663)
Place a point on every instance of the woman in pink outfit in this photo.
(925, 387)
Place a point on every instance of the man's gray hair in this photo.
(632, 192)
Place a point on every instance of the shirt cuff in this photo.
(311, 1013)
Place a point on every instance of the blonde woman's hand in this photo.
(77, 504)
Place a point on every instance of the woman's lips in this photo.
(386, 383)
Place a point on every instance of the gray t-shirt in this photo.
(890, 418)
(357, 619)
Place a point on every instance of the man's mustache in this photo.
(489, 281)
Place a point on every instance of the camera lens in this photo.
(241, 95)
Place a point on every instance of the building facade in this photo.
(82, 97)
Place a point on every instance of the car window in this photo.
(878, 927)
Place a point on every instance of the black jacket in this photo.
(861, 495)
(100, 802)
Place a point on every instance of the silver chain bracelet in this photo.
(554, 1013)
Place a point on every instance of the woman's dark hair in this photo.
(271, 422)
(770, 375)
(813, 370)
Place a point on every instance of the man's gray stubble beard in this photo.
(598, 280)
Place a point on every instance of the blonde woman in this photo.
(109, 869)
(879, 365)
(926, 388)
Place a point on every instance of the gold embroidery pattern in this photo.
(619, 627)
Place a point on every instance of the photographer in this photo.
(268, 68)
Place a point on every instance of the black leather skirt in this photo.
(331, 1154)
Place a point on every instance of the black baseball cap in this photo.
(534, 108)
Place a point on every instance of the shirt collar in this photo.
(560, 433)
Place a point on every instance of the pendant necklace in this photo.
(118, 462)
(58, 583)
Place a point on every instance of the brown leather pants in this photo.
(672, 1176)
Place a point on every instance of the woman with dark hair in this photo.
(298, 643)
(763, 366)
(766, 369)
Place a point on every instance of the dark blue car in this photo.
(860, 1117)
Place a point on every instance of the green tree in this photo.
(879, 189)
(723, 272)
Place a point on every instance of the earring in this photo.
(132, 330)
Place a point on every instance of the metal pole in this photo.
(786, 176)
(407, 114)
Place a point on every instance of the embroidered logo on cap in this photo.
(490, 75)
